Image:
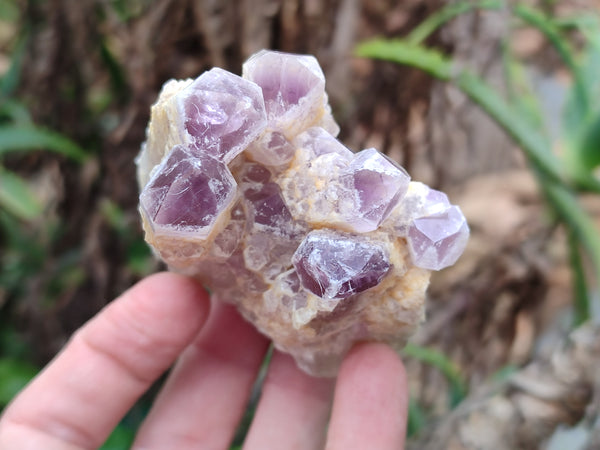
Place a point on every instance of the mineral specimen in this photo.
(245, 187)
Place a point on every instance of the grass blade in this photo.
(10, 80)
(534, 145)
(566, 205)
(444, 15)
(581, 308)
(553, 33)
(417, 419)
(26, 138)
(590, 145)
(401, 51)
(519, 89)
(15, 112)
(434, 358)
(17, 198)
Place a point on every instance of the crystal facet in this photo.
(293, 87)
(222, 113)
(271, 149)
(437, 240)
(379, 185)
(335, 265)
(187, 194)
(245, 187)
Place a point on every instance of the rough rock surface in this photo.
(245, 187)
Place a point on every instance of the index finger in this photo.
(82, 395)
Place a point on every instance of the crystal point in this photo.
(222, 113)
(379, 184)
(437, 240)
(337, 265)
(293, 87)
(187, 194)
(271, 149)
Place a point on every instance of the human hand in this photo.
(79, 398)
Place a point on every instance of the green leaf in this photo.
(587, 24)
(577, 114)
(520, 91)
(120, 439)
(581, 307)
(445, 14)
(14, 111)
(114, 215)
(117, 75)
(127, 10)
(581, 126)
(535, 145)
(14, 375)
(504, 373)
(567, 206)
(139, 257)
(417, 418)
(22, 256)
(589, 149)
(581, 109)
(9, 11)
(10, 80)
(404, 52)
(458, 388)
(27, 138)
(17, 197)
(561, 44)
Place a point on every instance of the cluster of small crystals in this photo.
(245, 187)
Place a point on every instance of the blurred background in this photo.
(495, 102)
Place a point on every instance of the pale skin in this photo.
(168, 319)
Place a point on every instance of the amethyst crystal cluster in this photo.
(245, 187)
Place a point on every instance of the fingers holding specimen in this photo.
(80, 397)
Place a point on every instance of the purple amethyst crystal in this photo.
(437, 240)
(268, 207)
(271, 149)
(436, 201)
(293, 87)
(285, 80)
(379, 185)
(223, 113)
(337, 265)
(186, 194)
(316, 142)
(420, 200)
(263, 199)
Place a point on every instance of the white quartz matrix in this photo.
(245, 187)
